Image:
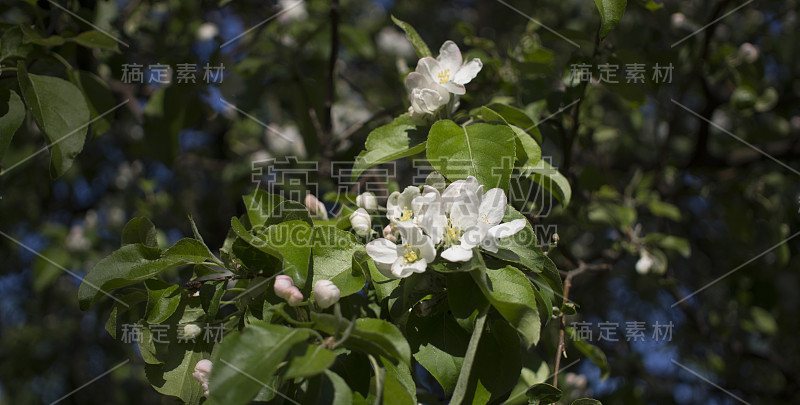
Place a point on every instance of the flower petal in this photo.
(410, 234)
(430, 68)
(475, 234)
(468, 71)
(457, 253)
(454, 88)
(493, 206)
(382, 251)
(507, 229)
(392, 205)
(450, 57)
(403, 269)
(416, 80)
(427, 250)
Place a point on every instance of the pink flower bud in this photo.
(316, 207)
(388, 233)
(283, 286)
(295, 297)
(201, 373)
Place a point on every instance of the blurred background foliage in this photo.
(701, 197)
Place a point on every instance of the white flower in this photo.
(748, 52)
(447, 69)
(326, 293)
(206, 31)
(191, 331)
(367, 201)
(284, 288)
(399, 207)
(474, 220)
(429, 213)
(316, 207)
(201, 372)
(292, 10)
(645, 263)
(361, 222)
(425, 95)
(412, 255)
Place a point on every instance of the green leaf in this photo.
(397, 139)
(96, 39)
(328, 389)
(548, 177)
(260, 205)
(99, 97)
(529, 153)
(419, 45)
(314, 359)
(162, 300)
(512, 116)
(371, 335)
(287, 241)
(60, 111)
(139, 230)
(498, 363)
(248, 360)
(398, 385)
(460, 391)
(594, 353)
(439, 344)
(485, 151)
(11, 118)
(174, 376)
(587, 401)
(289, 211)
(134, 263)
(543, 393)
(664, 209)
(12, 44)
(384, 286)
(332, 253)
(210, 295)
(510, 292)
(34, 37)
(611, 12)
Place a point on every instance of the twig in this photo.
(582, 268)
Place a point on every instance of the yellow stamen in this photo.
(411, 255)
(406, 214)
(444, 76)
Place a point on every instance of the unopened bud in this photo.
(367, 201)
(361, 222)
(201, 372)
(389, 233)
(326, 293)
(191, 331)
(316, 207)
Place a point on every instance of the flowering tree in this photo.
(313, 309)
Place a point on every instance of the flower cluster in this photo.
(437, 82)
(458, 220)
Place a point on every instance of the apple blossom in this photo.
(426, 96)
(447, 69)
(389, 233)
(201, 372)
(399, 207)
(367, 201)
(645, 263)
(284, 288)
(326, 293)
(316, 207)
(412, 255)
(361, 222)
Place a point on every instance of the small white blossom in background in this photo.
(316, 207)
(645, 263)
(201, 372)
(206, 32)
(367, 201)
(191, 331)
(748, 52)
(77, 240)
(285, 140)
(326, 293)
(402, 260)
(285, 289)
(292, 10)
(393, 42)
(361, 222)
